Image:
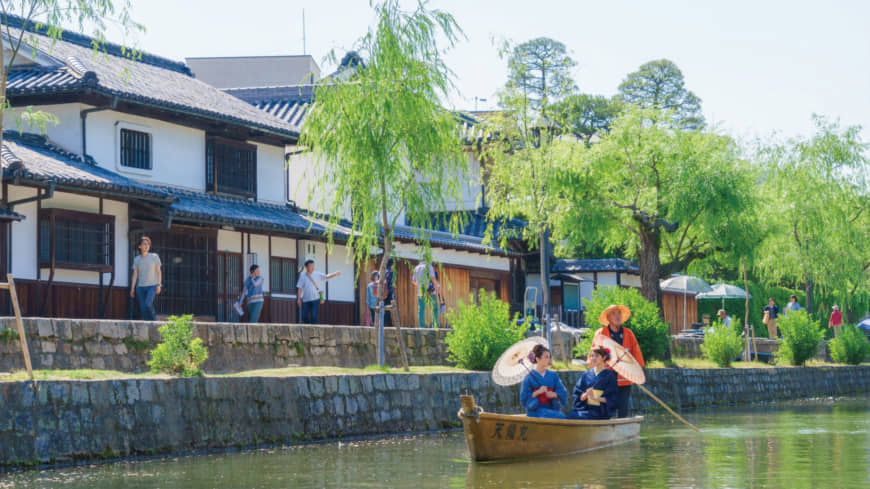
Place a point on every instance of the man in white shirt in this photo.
(724, 318)
(425, 280)
(310, 291)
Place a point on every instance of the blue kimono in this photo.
(605, 381)
(538, 407)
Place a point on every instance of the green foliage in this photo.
(383, 145)
(581, 349)
(659, 85)
(179, 353)
(801, 337)
(8, 335)
(850, 347)
(586, 115)
(722, 343)
(649, 329)
(481, 332)
(136, 345)
(541, 69)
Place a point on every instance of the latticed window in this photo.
(230, 167)
(77, 240)
(135, 149)
(282, 275)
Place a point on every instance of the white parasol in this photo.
(513, 365)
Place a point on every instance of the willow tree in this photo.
(47, 16)
(816, 222)
(526, 149)
(383, 145)
(665, 195)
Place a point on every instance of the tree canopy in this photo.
(585, 115)
(541, 70)
(668, 196)
(660, 85)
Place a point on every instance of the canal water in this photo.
(818, 444)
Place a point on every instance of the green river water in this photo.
(820, 444)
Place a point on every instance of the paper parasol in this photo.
(621, 360)
(513, 365)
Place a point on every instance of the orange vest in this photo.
(629, 342)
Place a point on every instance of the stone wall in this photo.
(690, 347)
(67, 421)
(232, 347)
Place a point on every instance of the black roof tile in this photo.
(596, 265)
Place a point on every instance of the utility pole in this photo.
(304, 48)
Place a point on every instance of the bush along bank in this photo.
(68, 421)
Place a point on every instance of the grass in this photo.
(79, 374)
(371, 369)
(681, 362)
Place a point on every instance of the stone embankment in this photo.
(66, 421)
(232, 347)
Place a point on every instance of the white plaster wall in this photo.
(469, 182)
(66, 133)
(586, 291)
(306, 188)
(314, 250)
(606, 279)
(630, 280)
(283, 247)
(230, 241)
(260, 246)
(341, 288)
(455, 257)
(178, 152)
(270, 173)
(23, 263)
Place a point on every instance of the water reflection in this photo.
(818, 444)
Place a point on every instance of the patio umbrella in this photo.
(724, 291)
(624, 364)
(685, 284)
(513, 365)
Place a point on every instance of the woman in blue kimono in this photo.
(596, 395)
(543, 393)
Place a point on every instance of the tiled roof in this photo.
(207, 208)
(474, 223)
(289, 103)
(29, 157)
(7, 215)
(149, 80)
(596, 265)
(447, 240)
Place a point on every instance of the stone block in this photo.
(44, 328)
(240, 333)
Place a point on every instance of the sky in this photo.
(760, 67)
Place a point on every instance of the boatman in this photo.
(612, 319)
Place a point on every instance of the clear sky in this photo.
(759, 66)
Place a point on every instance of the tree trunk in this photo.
(382, 294)
(650, 267)
(545, 285)
(809, 290)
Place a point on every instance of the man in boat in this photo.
(542, 393)
(612, 319)
(596, 395)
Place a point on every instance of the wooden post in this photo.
(754, 344)
(22, 337)
(401, 338)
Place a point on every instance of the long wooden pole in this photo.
(13, 296)
(647, 392)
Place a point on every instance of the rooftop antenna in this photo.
(304, 50)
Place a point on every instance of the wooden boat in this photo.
(502, 436)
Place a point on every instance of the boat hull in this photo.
(502, 437)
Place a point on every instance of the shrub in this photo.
(800, 338)
(850, 347)
(481, 332)
(651, 331)
(179, 353)
(581, 349)
(722, 343)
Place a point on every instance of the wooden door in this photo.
(229, 285)
(486, 284)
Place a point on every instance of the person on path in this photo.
(146, 280)
(542, 393)
(388, 299)
(836, 320)
(310, 291)
(771, 312)
(253, 291)
(596, 395)
(612, 318)
(372, 296)
(792, 305)
(724, 318)
(426, 282)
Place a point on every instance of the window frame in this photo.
(280, 279)
(123, 125)
(52, 214)
(211, 184)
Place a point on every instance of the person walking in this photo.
(724, 318)
(613, 318)
(147, 277)
(771, 312)
(792, 305)
(372, 297)
(309, 291)
(836, 320)
(426, 282)
(253, 291)
(389, 278)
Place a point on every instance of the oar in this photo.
(647, 392)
